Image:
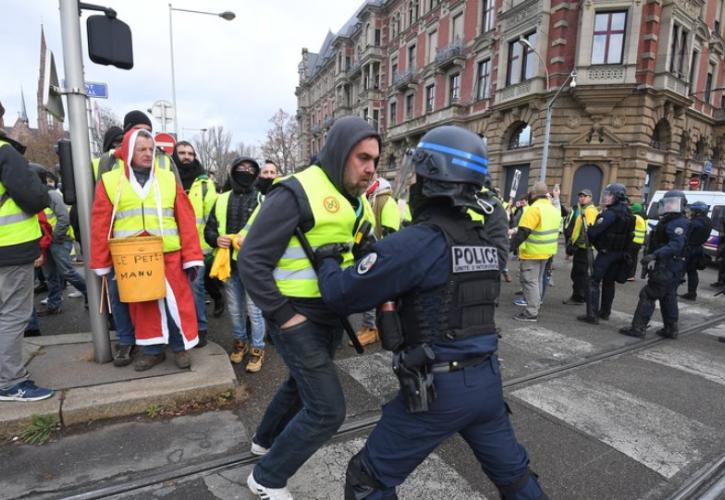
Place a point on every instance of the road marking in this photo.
(546, 343)
(709, 367)
(691, 309)
(716, 331)
(323, 476)
(374, 372)
(659, 438)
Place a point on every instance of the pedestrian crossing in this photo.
(709, 365)
(547, 343)
(373, 371)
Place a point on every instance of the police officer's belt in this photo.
(454, 366)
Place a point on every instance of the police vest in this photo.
(135, 214)
(202, 196)
(640, 230)
(465, 306)
(16, 226)
(334, 221)
(544, 238)
(699, 233)
(620, 233)
(220, 212)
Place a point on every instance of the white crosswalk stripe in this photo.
(710, 366)
(373, 371)
(716, 331)
(693, 310)
(547, 343)
(661, 439)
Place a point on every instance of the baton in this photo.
(343, 319)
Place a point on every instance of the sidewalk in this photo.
(87, 391)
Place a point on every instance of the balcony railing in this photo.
(372, 52)
(453, 55)
(404, 79)
(354, 70)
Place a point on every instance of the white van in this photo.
(714, 199)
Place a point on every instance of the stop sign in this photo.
(695, 183)
(165, 141)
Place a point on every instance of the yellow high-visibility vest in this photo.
(16, 226)
(50, 215)
(543, 240)
(134, 214)
(202, 196)
(220, 211)
(590, 214)
(640, 229)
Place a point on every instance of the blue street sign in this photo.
(707, 167)
(97, 90)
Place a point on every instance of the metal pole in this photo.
(547, 134)
(173, 74)
(73, 62)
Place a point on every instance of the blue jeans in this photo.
(33, 324)
(197, 287)
(239, 306)
(58, 270)
(309, 406)
(121, 315)
(175, 341)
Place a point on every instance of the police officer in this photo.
(663, 257)
(326, 201)
(698, 234)
(444, 273)
(611, 235)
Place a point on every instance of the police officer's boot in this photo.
(689, 296)
(637, 329)
(669, 331)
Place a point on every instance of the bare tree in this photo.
(282, 141)
(247, 150)
(214, 151)
(103, 119)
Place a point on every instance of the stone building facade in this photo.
(647, 108)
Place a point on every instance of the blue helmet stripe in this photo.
(455, 152)
(469, 165)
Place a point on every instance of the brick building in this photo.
(647, 108)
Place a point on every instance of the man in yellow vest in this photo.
(640, 232)
(202, 194)
(22, 196)
(230, 214)
(327, 202)
(578, 245)
(536, 240)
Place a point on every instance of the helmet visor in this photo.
(671, 205)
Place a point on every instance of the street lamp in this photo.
(549, 106)
(226, 15)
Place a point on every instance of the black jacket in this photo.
(25, 189)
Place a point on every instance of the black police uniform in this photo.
(698, 234)
(666, 245)
(446, 273)
(611, 235)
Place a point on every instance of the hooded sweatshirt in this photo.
(280, 214)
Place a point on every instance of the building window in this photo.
(409, 106)
(432, 46)
(395, 26)
(693, 70)
(457, 28)
(608, 42)
(412, 12)
(708, 83)
(521, 137)
(393, 114)
(489, 15)
(376, 118)
(430, 97)
(411, 57)
(377, 37)
(393, 70)
(484, 79)
(521, 61)
(677, 49)
(454, 91)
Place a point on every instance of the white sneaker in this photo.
(258, 450)
(267, 493)
(44, 301)
(75, 294)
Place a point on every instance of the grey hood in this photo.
(345, 133)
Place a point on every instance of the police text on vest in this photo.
(468, 259)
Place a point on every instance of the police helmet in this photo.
(699, 207)
(673, 202)
(451, 154)
(617, 191)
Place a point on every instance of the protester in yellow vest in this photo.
(536, 239)
(230, 214)
(326, 201)
(578, 245)
(640, 232)
(22, 196)
(138, 200)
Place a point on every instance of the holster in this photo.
(412, 366)
(389, 327)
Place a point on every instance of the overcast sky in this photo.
(235, 74)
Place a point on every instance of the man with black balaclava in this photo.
(229, 215)
(267, 175)
(202, 194)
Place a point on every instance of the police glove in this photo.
(330, 251)
(648, 258)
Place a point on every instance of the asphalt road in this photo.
(640, 424)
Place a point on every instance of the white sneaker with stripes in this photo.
(267, 493)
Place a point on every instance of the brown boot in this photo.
(146, 361)
(240, 349)
(367, 336)
(182, 359)
(256, 360)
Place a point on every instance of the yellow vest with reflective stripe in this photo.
(220, 211)
(335, 222)
(390, 217)
(50, 215)
(16, 226)
(544, 238)
(640, 230)
(590, 214)
(134, 215)
(202, 204)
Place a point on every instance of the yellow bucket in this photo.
(139, 265)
